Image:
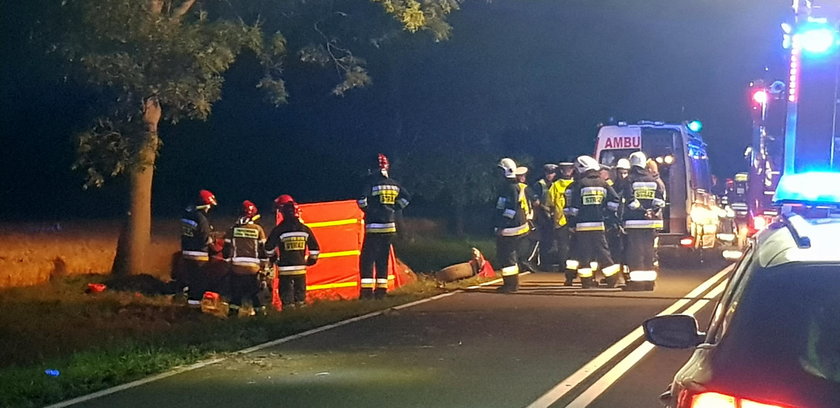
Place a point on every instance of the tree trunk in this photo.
(136, 236)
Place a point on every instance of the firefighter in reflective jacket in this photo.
(643, 201)
(591, 197)
(288, 244)
(556, 203)
(381, 199)
(511, 226)
(245, 252)
(197, 246)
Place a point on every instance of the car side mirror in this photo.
(677, 331)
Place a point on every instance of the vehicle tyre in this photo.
(455, 272)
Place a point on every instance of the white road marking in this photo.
(600, 386)
(200, 364)
(589, 368)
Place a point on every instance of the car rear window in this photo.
(785, 333)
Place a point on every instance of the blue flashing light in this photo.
(810, 188)
(695, 126)
(817, 38)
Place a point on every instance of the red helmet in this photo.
(205, 197)
(287, 205)
(249, 210)
(382, 162)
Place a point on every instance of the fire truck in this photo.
(796, 120)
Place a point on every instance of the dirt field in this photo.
(33, 253)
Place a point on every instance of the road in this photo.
(546, 345)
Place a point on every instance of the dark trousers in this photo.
(205, 276)
(244, 287)
(507, 250)
(562, 242)
(592, 246)
(640, 252)
(292, 289)
(615, 241)
(373, 264)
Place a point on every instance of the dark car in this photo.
(774, 337)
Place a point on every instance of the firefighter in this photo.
(556, 202)
(643, 202)
(590, 198)
(381, 199)
(511, 226)
(543, 220)
(614, 230)
(288, 244)
(244, 250)
(528, 252)
(197, 246)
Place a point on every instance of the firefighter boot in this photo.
(510, 284)
(366, 293)
(587, 283)
(570, 277)
(611, 281)
(379, 293)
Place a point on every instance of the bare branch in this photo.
(182, 9)
(156, 6)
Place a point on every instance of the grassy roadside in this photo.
(100, 340)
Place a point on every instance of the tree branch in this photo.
(156, 6)
(182, 9)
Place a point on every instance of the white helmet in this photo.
(623, 164)
(509, 166)
(586, 163)
(638, 159)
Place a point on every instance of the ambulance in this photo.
(691, 215)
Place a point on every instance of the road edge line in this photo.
(202, 364)
(570, 382)
(627, 363)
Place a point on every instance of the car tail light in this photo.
(717, 400)
(687, 242)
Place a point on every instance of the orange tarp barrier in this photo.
(339, 228)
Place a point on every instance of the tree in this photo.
(164, 60)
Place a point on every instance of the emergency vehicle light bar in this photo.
(810, 188)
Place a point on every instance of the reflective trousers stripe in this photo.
(611, 270)
(510, 270)
(585, 272)
(368, 283)
(515, 231)
(642, 276)
(572, 264)
(589, 226)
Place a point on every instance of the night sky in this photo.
(538, 74)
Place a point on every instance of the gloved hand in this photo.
(311, 261)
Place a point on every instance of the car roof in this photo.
(778, 243)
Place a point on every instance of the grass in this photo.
(426, 255)
(100, 340)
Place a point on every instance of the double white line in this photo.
(598, 388)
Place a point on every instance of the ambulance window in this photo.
(610, 157)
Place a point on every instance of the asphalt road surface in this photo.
(546, 345)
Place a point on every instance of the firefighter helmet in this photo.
(638, 159)
(249, 210)
(206, 198)
(287, 205)
(585, 163)
(382, 163)
(509, 167)
(623, 164)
